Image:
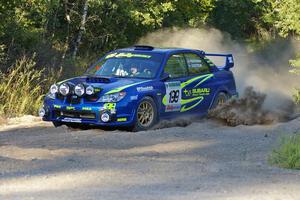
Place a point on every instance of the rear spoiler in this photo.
(229, 62)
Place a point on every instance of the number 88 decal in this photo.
(173, 96)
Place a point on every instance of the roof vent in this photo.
(91, 79)
(143, 47)
(201, 52)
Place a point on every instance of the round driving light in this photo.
(42, 112)
(89, 90)
(105, 117)
(64, 89)
(53, 89)
(79, 90)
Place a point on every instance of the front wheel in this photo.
(56, 124)
(146, 114)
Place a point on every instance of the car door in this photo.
(198, 90)
(176, 67)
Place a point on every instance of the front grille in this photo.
(60, 96)
(73, 99)
(75, 114)
(92, 98)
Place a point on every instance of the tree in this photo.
(241, 18)
(287, 14)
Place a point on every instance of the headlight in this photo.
(89, 90)
(64, 89)
(79, 90)
(53, 89)
(115, 97)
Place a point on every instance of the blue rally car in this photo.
(136, 87)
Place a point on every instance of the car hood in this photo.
(107, 84)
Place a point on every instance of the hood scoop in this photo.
(93, 79)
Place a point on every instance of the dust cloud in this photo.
(178, 122)
(249, 110)
(265, 71)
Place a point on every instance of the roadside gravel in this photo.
(204, 160)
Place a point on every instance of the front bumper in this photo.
(120, 114)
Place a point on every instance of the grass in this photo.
(22, 88)
(297, 97)
(287, 155)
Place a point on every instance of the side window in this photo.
(176, 66)
(196, 64)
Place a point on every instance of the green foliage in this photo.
(296, 65)
(51, 28)
(241, 18)
(287, 15)
(296, 70)
(288, 153)
(297, 97)
(21, 88)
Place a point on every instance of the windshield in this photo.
(124, 64)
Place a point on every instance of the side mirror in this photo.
(165, 76)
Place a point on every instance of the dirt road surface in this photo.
(205, 160)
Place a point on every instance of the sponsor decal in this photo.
(123, 119)
(97, 89)
(124, 87)
(74, 120)
(144, 89)
(172, 108)
(195, 92)
(230, 59)
(173, 96)
(132, 98)
(109, 106)
(86, 108)
(57, 106)
(70, 108)
(127, 55)
(195, 95)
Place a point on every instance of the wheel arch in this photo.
(220, 90)
(156, 101)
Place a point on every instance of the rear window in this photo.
(176, 66)
(196, 64)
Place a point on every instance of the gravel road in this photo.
(204, 160)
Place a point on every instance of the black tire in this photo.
(141, 124)
(56, 124)
(220, 99)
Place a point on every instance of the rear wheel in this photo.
(146, 114)
(219, 100)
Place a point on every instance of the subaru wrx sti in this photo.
(138, 86)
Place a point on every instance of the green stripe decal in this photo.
(205, 79)
(124, 87)
(184, 108)
(207, 76)
(198, 99)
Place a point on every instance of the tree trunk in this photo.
(66, 44)
(81, 30)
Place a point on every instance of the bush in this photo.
(296, 70)
(22, 88)
(297, 97)
(288, 153)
